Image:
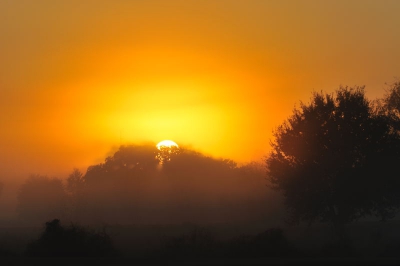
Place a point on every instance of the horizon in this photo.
(212, 131)
(81, 78)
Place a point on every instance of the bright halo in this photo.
(166, 143)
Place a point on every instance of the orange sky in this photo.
(78, 78)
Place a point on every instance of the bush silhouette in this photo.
(71, 241)
(271, 243)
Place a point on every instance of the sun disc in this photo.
(166, 143)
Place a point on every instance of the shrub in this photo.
(71, 241)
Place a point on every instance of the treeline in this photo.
(141, 184)
(60, 240)
(333, 160)
(336, 158)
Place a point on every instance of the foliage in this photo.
(76, 191)
(126, 163)
(333, 159)
(72, 241)
(134, 186)
(165, 153)
(75, 182)
(112, 188)
(390, 105)
(188, 163)
(392, 98)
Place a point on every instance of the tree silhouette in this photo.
(332, 159)
(113, 188)
(390, 105)
(132, 186)
(71, 241)
(388, 109)
(75, 182)
(41, 198)
(126, 163)
(76, 191)
(165, 153)
(392, 99)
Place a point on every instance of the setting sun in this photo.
(167, 144)
(266, 100)
(204, 73)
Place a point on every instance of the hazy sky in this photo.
(78, 78)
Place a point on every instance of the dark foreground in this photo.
(370, 243)
(236, 262)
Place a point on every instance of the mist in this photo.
(274, 174)
(139, 184)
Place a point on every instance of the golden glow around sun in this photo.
(166, 143)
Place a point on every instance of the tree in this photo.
(41, 198)
(129, 162)
(76, 191)
(134, 186)
(392, 98)
(165, 153)
(75, 182)
(332, 160)
(390, 105)
(113, 188)
(70, 241)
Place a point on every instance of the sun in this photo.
(167, 148)
(166, 144)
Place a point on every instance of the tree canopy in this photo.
(333, 159)
(142, 184)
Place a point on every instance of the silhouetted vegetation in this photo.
(76, 192)
(135, 186)
(334, 160)
(168, 244)
(71, 241)
(390, 105)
